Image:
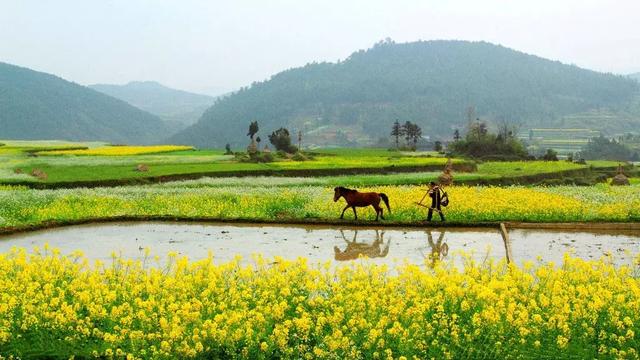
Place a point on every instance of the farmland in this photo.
(58, 305)
(256, 200)
(75, 164)
(118, 163)
(275, 308)
(187, 180)
(290, 199)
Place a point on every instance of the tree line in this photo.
(409, 131)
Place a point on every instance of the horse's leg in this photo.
(354, 212)
(377, 209)
(381, 210)
(343, 210)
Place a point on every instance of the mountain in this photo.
(635, 76)
(431, 83)
(36, 105)
(169, 104)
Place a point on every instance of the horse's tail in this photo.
(386, 201)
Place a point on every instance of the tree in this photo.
(479, 143)
(550, 155)
(506, 131)
(412, 133)
(396, 132)
(456, 135)
(281, 140)
(477, 130)
(258, 140)
(601, 148)
(228, 149)
(253, 129)
(437, 146)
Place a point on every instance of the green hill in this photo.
(35, 105)
(430, 83)
(169, 104)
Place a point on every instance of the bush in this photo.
(261, 157)
(281, 140)
(480, 144)
(601, 148)
(299, 157)
(550, 155)
(227, 149)
(255, 158)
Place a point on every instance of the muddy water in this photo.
(322, 243)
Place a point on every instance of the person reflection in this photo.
(439, 249)
(354, 249)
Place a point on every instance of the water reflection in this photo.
(439, 249)
(355, 249)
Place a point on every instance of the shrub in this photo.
(550, 155)
(603, 148)
(480, 143)
(299, 157)
(227, 149)
(257, 157)
(281, 140)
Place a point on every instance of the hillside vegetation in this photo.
(169, 104)
(431, 83)
(35, 105)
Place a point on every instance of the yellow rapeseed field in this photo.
(121, 150)
(469, 204)
(58, 306)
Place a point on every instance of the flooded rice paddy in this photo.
(324, 243)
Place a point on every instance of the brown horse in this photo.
(357, 199)
(355, 249)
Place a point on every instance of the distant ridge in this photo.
(431, 83)
(36, 105)
(167, 103)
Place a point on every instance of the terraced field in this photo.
(58, 306)
(50, 164)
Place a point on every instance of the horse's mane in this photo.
(345, 190)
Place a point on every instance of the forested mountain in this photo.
(431, 83)
(169, 104)
(35, 105)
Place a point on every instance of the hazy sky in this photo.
(222, 45)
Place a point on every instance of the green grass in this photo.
(70, 168)
(486, 171)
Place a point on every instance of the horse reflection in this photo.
(355, 249)
(439, 249)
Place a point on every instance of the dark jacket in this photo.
(436, 197)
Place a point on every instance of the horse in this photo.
(357, 199)
(355, 249)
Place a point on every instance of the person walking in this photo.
(436, 201)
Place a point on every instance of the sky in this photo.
(218, 46)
